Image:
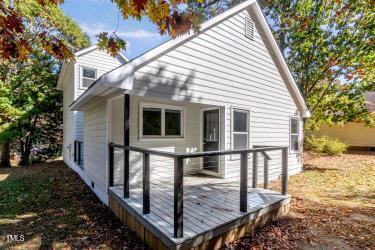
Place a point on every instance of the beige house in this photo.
(355, 134)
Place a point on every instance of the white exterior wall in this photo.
(96, 147)
(103, 63)
(74, 121)
(68, 118)
(354, 134)
(161, 167)
(222, 67)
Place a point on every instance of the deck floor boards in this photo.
(208, 203)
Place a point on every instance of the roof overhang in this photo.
(122, 76)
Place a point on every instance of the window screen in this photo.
(88, 76)
(240, 131)
(294, 133)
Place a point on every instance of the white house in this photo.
(225, 88)
(75, 78)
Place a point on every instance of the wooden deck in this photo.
(211, 208)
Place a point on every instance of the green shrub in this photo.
(325, 145)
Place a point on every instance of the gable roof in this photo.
(122, 77)
(78, 54)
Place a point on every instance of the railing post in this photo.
(284, 174)
(243, 182)
(265, 172)
(255, 169)
(178, 197)
(146, 183)
(126, 143)
(111, 152)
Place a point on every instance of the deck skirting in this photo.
(212, 239)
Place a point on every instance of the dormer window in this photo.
(88, 77)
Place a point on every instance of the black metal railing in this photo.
(179, 173)
(78, 151)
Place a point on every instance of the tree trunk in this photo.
(5, 155)
(25, 158)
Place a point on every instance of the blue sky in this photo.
(95, 16)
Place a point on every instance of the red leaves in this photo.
(45, 2)
(11, 26)
(139, 6)
(113, 44)
(13, 43)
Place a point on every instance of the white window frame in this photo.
(248, 111)
(292, 151)
(163, 107)
(81, 76)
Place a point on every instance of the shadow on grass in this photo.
(51, 206)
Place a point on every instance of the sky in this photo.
(95, 16)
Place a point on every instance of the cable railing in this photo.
(179, 174)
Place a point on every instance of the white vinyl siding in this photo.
(102, 63)
(222, 67)
(96, 146)
(161, 167)
(68, 118)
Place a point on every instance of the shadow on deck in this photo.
(211, 212)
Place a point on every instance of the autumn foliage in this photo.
(14, 40)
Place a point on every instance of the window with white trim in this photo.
(294, 134)
(157, 120)
(88, 76)
(240, 128)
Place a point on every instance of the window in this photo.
(88, 77)
(294, 134)
(152, 121)
(157, 120)
(249, 28)
(240, 129)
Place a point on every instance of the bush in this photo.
(325, 145)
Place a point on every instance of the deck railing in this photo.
(179, 173)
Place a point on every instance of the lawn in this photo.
(332, 207)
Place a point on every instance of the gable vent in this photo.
(249, 28)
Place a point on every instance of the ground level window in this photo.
(294, 134)
(161, 121)
(240, 129)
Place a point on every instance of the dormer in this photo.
(90, 64)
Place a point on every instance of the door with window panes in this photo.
(211, 123)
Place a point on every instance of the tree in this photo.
(30, 106)
(329, 47)
(171, 17)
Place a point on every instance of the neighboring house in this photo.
(225, 88)
(355, 134)
(75, 77)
